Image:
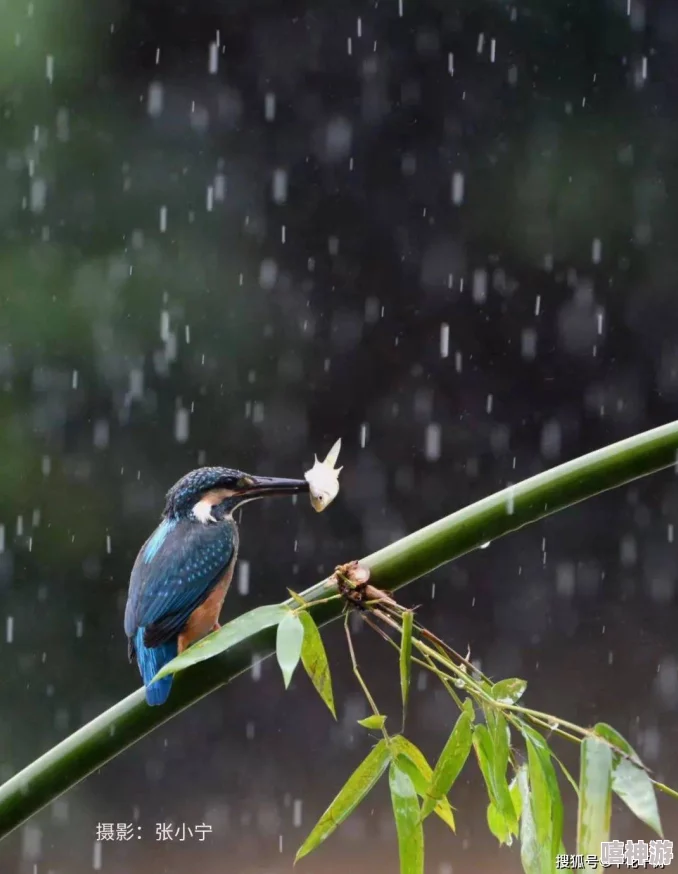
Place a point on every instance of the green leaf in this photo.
(633, 785)
(227, 637)
(297, 598)
(612, 735)
(547, 802)
(485, 754)
(354, 790)
(288, 644)
(314, 660)
(630, 782)
(508, 691)
(530, 853)
(498, 825)
(411, 760)
(452, 759)
(500, 736)
(516, 797)
(407, 820)
(375, 721)
(406, 657)
(482, 744)
(595, 796)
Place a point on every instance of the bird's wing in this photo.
(175, 571)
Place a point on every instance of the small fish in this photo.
(323, 479)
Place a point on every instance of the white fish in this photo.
(323, 479)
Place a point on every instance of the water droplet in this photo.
(444, 340)
(213, 62)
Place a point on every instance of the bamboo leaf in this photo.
(500, 737)
(297, 598)
(498, 825)
(530, 854)
(374, 721)
(516, 797)
(314, 660)
(408, 821)
(633, 785)
(349, 797)
(228, 636)
(411, 760)
(595, 796)
(406, 657)
(630, 782)
(483, 745)
(547, 802)
(508, 691)
(612, 735)
(288, 644)
(452, 759)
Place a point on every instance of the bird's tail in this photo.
(150, 660)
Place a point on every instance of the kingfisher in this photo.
(182, 572)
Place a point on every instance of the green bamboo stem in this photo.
(400, 563)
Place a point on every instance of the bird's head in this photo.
(212, 493)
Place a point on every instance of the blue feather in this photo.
(157, 539)
(150, 661)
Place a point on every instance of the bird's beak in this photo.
(263, 486)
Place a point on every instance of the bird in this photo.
(183, 571)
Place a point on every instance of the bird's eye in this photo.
(245, 482)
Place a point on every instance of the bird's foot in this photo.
(216, 626)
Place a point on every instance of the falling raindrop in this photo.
(181, 424)
(243, 577)
(279, 186)
(432, 445)
(269, 106)
(155, 99)
(444, 340)
(457, 188)
(38, 194)
(528, 343)
(479, 290)
(596, 251)
(213, 62)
